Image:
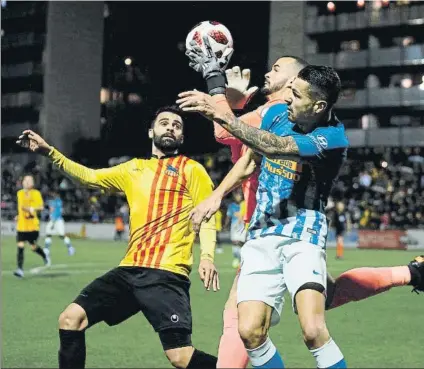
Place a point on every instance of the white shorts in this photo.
(55, 228)
(238, 233)
(272, 265)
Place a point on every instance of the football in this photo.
(219, 36)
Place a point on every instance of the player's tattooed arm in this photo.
(263, 142)
(266, 143)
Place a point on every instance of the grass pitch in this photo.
(381, 332)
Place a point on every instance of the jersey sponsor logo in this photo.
(312, 231)
(171, 171)
(284, 168)
(322, 141)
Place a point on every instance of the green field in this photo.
(383, 332)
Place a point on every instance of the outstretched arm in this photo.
(265, 143)
(109, 178)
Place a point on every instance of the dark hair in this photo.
(324, 81)
(302, 63)
(169, 109)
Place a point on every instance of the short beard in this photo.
(165, 144)
(270, 90)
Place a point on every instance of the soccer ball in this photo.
(219, 36)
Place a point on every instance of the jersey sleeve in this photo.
(272, 115)
(114, 178)
(320, 141)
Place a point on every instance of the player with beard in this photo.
(352, 285)
(153, 275)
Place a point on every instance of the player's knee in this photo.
(312, 330)
(252, 334)
(33, 246)
(180, 357)
(21, 245)
(73, 318)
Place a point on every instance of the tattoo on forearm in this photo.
(259, 140)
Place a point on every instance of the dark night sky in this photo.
(149, 32)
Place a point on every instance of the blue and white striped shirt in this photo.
(293, 193)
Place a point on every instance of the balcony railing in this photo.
(386, 17)
(392, 56)
(383, 97)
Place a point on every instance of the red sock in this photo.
(231, 351)
(361, 283)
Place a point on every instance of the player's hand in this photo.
(204, 211)
(209, 275)
(199, 102)
(238, 92)
(34, 142)
(207, 62)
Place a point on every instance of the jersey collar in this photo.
(173, 155)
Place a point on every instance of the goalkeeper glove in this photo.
(212, 68)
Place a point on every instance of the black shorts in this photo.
(163, 297)
(30, 237)
(339, 231)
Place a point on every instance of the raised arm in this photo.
(109, 178)
(264, 142)
(237, 96)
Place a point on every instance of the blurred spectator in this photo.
(365, 179)
(382, 188)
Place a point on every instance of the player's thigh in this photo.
(261, 277)
(73, 317)
(164, 300)
(108, 298)
(331, 286)
(304, 267)
(50, 227)
(30, 237)
(21, 238)
(60, 227)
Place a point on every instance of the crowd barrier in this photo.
(363, 239)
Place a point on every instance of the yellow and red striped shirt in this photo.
(160, 194)
(28, 221)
